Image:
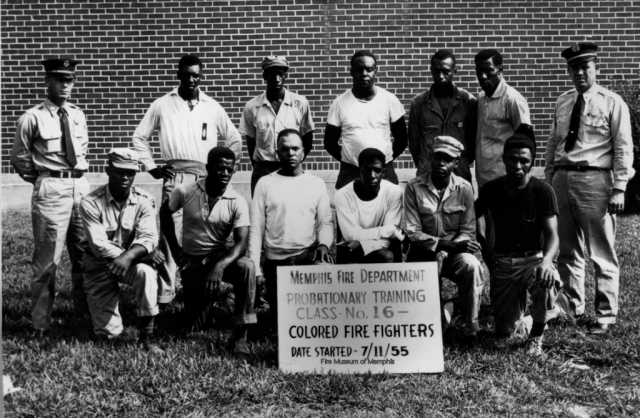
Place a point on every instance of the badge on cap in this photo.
(66, 63)
(575, 48)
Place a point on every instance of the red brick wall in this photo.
(129, 51)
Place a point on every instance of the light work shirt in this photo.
(260, 121)
(112, 230)
(604, 137)
(207, 229)
(185, 134)
(38, 141)
(498, 118)
(429, 218)
(365, 124)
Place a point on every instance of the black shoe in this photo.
(598, 328)
(150, 346)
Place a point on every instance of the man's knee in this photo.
(384, 255)
(147, 275)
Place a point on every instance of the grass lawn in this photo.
(71, 375)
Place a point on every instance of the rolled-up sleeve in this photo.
(412, 222)
(96, 233)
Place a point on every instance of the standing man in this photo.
(271, 112)
(444, 109)
(122, 236)
(49, 152)
(501, 110)
(290, 217)
(212, 210)
(365, 117)
(589, 162)
(188, 123)
(440, 222)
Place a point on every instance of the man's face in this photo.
(221, 170)
(371, 175)
(59, 87)
(275, 77)
(583, 74)
(364, 72)
(517, 162)
(443, 165)
(120, 180)
(190, 77)
(290, 151)
(442, 72)
(488, 75)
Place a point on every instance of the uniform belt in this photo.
(580, 168)
(519, 255)
(64, 174)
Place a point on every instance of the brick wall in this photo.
(129, 51)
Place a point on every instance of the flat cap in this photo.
(583, 51)
(124, 158)
(60, 66)
(448, 145)
(275, 61)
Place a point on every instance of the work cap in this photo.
(124, 158)
(60, 66)
(274, 61)
(584, 51)
(448, 145)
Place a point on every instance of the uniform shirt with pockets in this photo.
(38, 141)
(207, 229)
(259, 121)
(604, 138)
(112, 230)
(429, 218)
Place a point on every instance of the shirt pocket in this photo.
(52, 141)
(80, 137)
(428, 212)
(452, 216)
(595, 125)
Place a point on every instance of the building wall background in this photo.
(129, 51)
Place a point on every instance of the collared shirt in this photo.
(604, 138)
(207, 229)
(365, 124)
(429, 218)
(260, 121)
(498, 118)
(111, 229)
(185, 134)
(38, 141)
(427, 120)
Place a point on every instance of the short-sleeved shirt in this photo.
(498, 118)
(260, 121)
(517, 218)
(365, 124)
(203, 229)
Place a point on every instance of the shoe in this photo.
(150, 346)
(447, 316)
(522, 328)
(534, 347)
(241, 348)
(470, 341)
(598, 328)
(564, 310)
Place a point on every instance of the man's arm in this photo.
(544, 272)
(241, 239)
(550, 153)
(370, 239)
(399, 132)
(324, 227)
(519, 112)
(471, 129)
(258, 222)
(229, 133)
(96, 233)
(21, 156)
(414, 134)
(169, 230)
(307, 143)
(331, 141)
(622, 154)
(143, 133)
(306, 128)
(488, 254)
(251, 148)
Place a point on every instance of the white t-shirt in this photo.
(365, 124)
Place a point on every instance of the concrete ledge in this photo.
(16, 193)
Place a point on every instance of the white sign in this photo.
(357, 318)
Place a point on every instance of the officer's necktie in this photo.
(574, 125)
(67, 142)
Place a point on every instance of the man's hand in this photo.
(467, 247)
(154, 259)
(392, 231)
(489, 257)
(355, 250)
(616, 201)
(322, 255)
(544, 274)
(165, 173)
(121, 264)
(214, 279)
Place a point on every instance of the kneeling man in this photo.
(524, 212)
(440, 222)
(369, 211)
(120, 223)
(290, 217)
(212, 210)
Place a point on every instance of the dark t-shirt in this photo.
(517, 218)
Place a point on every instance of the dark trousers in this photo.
(349, 173)
(393, 254)
(261, 169)
(199, 307)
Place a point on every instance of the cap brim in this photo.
(125, 166)
(582, 58)
(447, 151)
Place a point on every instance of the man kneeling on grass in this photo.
(211, 211)
(369, 211)
(120, 223)
(524, 213)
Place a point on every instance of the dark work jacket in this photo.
(426, 121)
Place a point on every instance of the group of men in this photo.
(519, 223)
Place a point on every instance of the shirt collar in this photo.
(426, 181)
(286, 100)
(54, 108)
(130, 200)
(591, 92)
(202, 97)
(500, 90)
(229, 193)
